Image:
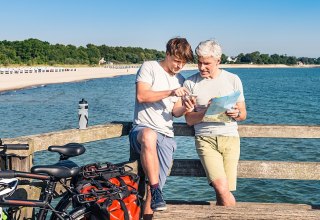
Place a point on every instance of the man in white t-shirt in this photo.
(158, 98)
(216, 136)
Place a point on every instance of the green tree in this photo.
(291, 60)
(275, 59)
(265, 59)
(93, 54)
(223, 58)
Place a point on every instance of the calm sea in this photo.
(273, 96)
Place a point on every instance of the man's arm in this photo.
(183, 106)
(178, 109)
(145, 94)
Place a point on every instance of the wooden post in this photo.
(21, 160)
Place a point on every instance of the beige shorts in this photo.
(219, 157)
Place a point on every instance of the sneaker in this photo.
(157, 202)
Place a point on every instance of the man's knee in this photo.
(147, 138)
(221, 186)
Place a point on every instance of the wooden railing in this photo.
(181, 167)
(246, 169)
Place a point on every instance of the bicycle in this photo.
(51, 175)
(104, 182)
(5, 157)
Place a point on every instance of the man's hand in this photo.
(179, 92)
(238, 112)
(189, 102)
(234, 112)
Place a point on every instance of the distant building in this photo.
(102, 61)
(299, 63)
(232, 59)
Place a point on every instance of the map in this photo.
(218, 107)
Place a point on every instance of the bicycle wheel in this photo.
(65, 207)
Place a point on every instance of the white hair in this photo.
(209, 48)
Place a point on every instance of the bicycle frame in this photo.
(43, 204)
(75, 204)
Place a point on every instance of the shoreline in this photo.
(17, 81)
(9, 82)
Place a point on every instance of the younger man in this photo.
(158, 98)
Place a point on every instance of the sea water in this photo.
(287, 96)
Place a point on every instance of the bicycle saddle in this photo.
(62, 169)
(68, 150)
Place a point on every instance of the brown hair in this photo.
(180, 48)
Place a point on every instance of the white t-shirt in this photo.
(205, 89)
(157, 115)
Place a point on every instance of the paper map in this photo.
(218, 106)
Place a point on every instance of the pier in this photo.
(192, 167)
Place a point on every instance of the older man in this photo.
(217, 140)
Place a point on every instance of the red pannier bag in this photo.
(114, 195)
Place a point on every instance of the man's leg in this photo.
(211, 156)
(166, 147)
(137, 136)
(230, 149)
(148, 155)
(147, 211)
(150, 163)
(147, 140)
(223, 195)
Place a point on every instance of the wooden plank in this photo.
(247, 169)
(279, 170)
(254, 169)
(256, 211)
(117, 129)
(261, 131)
(279, 131)
(93, 133)
(254, 131)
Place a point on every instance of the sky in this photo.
(284, 27)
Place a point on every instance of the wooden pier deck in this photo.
(200, 210)
(243, 210)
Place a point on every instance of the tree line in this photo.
(36, 52)
(258, 58)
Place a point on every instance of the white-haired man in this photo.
(217, 141)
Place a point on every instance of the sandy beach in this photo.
(24, 80)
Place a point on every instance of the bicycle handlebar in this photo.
(13, 173)
(13, 146)
(7, 174)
